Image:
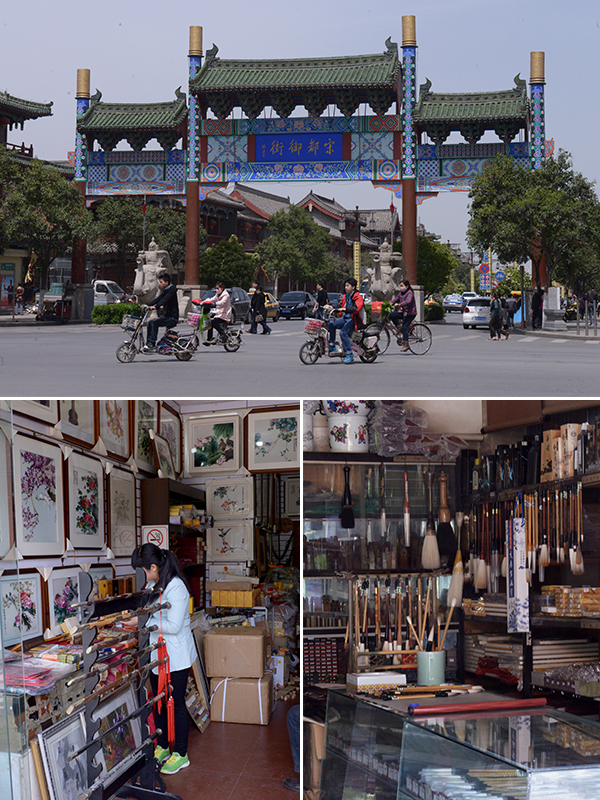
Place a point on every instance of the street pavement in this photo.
(78, 360)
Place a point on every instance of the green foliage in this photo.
(113, 313)
(512, 280)
(435, 263)
(40, 210)
(523, 214)
(297, 248)
(227, 261)
(167, 226)
(434, 311)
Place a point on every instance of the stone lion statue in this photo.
(386, 273)
(150, 264)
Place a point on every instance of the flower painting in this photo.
(213, 445)
(38, 503)
(273, 440)
(146, 413)
(170, 429)
(113, 418)
(122, 512)
(86, 501)
(230, 498)
(63, 593)
(231, 541)
(125, 735)
(21, 607)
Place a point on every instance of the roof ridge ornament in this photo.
(211, 55)
(520, 84)
(392, 48)
(95, 98)
(424, 88)
(179, 94)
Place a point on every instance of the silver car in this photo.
(476, 313)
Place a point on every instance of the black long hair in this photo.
(168, 567)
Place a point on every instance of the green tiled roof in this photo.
(124, 117)
(17, 109)
(484, 107)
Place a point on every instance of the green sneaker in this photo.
(161, 754)
(174, 764)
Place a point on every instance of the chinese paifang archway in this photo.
(383, 147)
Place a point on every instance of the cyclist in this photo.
(222, 315)
(352, 318)
(167, 299)
(405, 310)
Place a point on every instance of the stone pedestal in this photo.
(419, 302)
(83, 302)
(185, 295)
(552, 312)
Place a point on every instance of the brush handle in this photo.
(444, 514)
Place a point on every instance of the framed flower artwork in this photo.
(6, 506)
(121, 742)
(113, 426)
(122, 517)
(86, 501)
(43, 410)
(21, 603)
(163, 456)
(77, 421)
(38, 482)
(213, 444)
(231, 540)
(145, 419)
(272, 440)
(230, 498)
(66, 779)
(63, 592)
(171, 429)
(292, 497)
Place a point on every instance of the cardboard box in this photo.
(235, 652)
(246, 700)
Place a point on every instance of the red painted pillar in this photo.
(192, 233)
(409, 229)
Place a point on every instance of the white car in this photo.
(476, 313)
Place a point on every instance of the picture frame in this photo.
(42, 410)
(38, 486)
(231, 540)
(213, 444)
(97, 573)
(113, 427)
(66, 779)
(230, 498)
(122, 512)
(171, 429)
(273, 440)
(7, 528)
(21, 607)
(63, 592)
(145, 419)
(85, 483)
(292, 497)
(163, 456)
(77, 421)
(119, 744)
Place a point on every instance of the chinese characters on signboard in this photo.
(299, 147)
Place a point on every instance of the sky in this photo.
(137, 52)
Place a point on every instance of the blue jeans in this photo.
(293, 724)
(397, 317)
(155, 324)
(345, 325)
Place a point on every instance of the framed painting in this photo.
(122, 517)
(292, 497)
(43, 410)
(230, 498)
(113, 426)
(66, 779)
(213, 444)
(145, 419)
(21, 603)
(77, 421)
(163, 456)
(171, 429)
(63, 592)
(121, 742)
(38, 484)
(272, 440)
(86, 501)
(231, 541)
(7, 532)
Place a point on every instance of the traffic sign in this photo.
(484, 282)
(484, 268)
(500, 275)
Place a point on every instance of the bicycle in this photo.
(363, 345)
(419, 335)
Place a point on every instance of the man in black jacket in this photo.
(167, 299)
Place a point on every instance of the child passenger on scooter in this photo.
(351, 319)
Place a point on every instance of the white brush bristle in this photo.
(544, 557)
(504, 567)
(430, 556)
(481, 578)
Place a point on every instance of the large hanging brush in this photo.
(347, 514)
(455, 590)
(430, 555)
(578, 565)
(445, 535)
(481, 576)
(406, 511)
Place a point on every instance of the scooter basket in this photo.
(129, 322)
(194, 320)
(313, 327)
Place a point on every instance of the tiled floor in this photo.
(238, 762)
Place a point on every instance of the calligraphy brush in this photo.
(347, 514)
(430, 554)
(445, 535)
(406, 511)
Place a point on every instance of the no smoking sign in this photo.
(156, 534)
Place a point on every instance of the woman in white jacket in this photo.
(168, 585)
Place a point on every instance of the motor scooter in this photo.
(232, 337)
(364, 343)
(182, 346)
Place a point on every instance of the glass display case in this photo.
(380, 752)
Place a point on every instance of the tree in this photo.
(227, 261)
(8, 170)
(297, 248)
(512, 280)
(167, 226)
(435, 263)
(119, 221)
(525, 214)
(44, 212)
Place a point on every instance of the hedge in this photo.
(112, 313)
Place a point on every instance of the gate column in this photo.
(192, 214)
(409, 148)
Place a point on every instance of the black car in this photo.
(334, 299)
(240, 303)
(296, 304)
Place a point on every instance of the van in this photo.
(107, 292)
